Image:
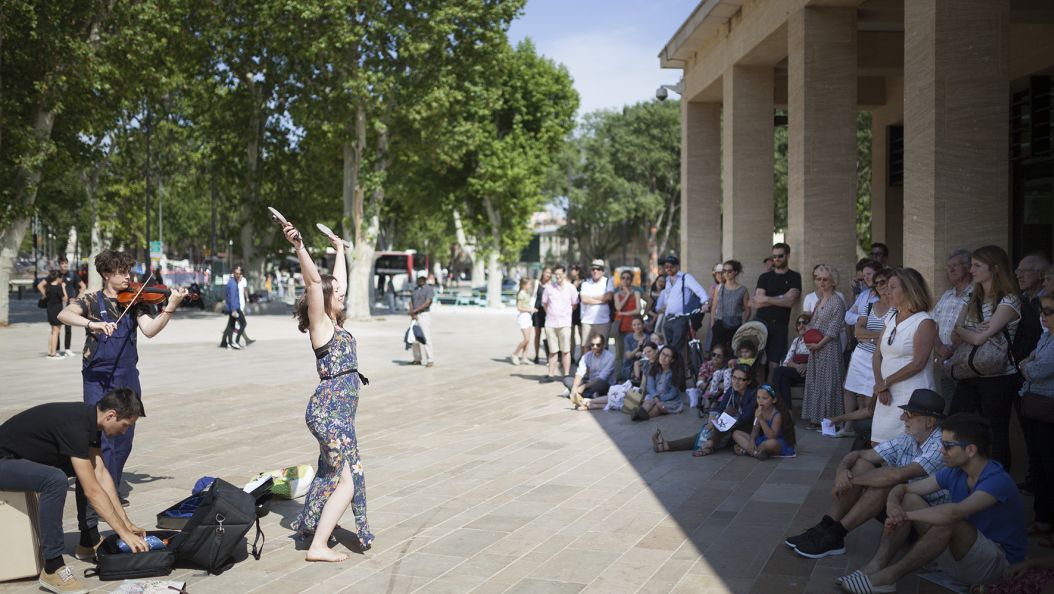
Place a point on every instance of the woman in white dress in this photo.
(902, 361)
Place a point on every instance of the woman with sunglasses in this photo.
(860, 378)
(739, 401)
(902, 361)
(1038, 372)
(730, 305)
(823, 380)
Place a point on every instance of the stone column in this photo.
(956, 119)
(821, 102)
(700, 188)
(747, 148)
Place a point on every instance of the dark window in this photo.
(895, 138)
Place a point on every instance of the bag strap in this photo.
(258, 551)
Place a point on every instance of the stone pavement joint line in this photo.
(479, 479)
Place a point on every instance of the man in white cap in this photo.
(595, 296)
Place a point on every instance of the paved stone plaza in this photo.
(478, 477)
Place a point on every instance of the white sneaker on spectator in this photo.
(515, 359)
(566, 393)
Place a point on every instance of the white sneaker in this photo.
(515, 359)
(55, 357)
(567, 393)
(70, 353)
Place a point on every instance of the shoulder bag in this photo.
(986, 359)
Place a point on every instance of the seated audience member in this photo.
(664, 388)
(974, 538)
(792, 371)
(864, 478)
(595, 373)
(1037, 371)
(649, 355)
(41, 447)
(632, 347)
(773, 432)
(712, 366)
(739, 401)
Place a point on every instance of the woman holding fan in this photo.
(331, 410)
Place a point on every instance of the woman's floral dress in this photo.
(331, 418)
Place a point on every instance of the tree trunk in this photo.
(27, 180)
(247, 235)
(494, 275)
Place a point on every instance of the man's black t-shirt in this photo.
(776, 285)
(51, 434)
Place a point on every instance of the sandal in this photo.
(658, 442)
(739, 450)
(761, 455)
(703, 451)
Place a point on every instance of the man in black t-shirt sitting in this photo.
(777, 293)
(42, 446)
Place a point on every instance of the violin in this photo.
(153, 294)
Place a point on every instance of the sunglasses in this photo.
(594, 269)
(1047, 311)
(947, 445)
(778, 256)
(880, 283)
(596, 345)
(738, 378)
(717, 355)
(801, 323)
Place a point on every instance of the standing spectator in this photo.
(74, 287)
(994, 306)
(1038, 372)
(574, 275)
(860, 377)
(868, 294)
(524, 311)
(420, 310)
(1029, 274)
(53, 292)
(632, 347)
(627, 309)
(808, 305)
(243, 293)
(948, 309)
(595, 294)
(538, 317)
(776, 294)
(681, 300)
(594, 376)
(902, 361)
(823, 380)
(791, 371)
(651, 312)
(718, 275)
(389, 292)
(766, 265)
(559, 300)
(233, 307)
(1048, 282)
(880, 253)
(730, 306)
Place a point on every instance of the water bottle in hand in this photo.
(155, 544)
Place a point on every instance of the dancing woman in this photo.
(331, 410)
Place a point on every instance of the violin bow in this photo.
(139, 292)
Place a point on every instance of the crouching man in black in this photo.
(42, 446)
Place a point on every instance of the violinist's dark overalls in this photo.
(111, 365)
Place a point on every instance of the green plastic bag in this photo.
(292, 482)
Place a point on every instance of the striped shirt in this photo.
(903, 450)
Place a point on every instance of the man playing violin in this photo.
(110, 354)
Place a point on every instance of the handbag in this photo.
(112, 564)
(1038, 408)
(986, 359)
(631, 403)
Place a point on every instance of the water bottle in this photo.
(155, 544)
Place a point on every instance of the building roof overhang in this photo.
(705, 20)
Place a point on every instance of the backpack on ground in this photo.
(213, 534)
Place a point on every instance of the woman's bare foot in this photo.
(326, 555)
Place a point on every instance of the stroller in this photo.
(754, 334)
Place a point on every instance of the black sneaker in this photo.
(793, 541)
(821, 543)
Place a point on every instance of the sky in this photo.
(610, 47)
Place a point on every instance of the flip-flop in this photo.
(658, 442)
(703, 452)
(739, 451)
(838, 580)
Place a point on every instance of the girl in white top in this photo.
(902, 361)
(524, 310)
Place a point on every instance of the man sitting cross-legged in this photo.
(974, 538)
(864, 477)
(595, 375)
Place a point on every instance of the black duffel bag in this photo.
(112, 564)
(211, 537)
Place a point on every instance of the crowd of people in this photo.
(926, 387)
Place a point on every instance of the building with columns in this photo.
(960, 95)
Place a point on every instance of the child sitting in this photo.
(773, 432)
(714, 365)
